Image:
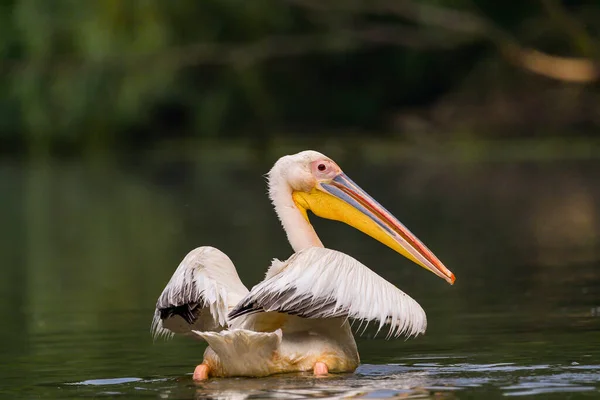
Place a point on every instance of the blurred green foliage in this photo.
(103, 72)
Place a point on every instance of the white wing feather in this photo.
(323, 283)
(203, 289)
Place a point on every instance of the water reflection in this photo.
(418, 380)
(87, 247)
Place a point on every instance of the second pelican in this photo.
(297, 318)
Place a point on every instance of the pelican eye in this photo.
(321, 167)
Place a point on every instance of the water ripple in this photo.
(414, 379)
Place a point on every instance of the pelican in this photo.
(297, 318)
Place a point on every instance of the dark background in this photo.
(106, 76)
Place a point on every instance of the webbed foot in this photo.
(320, 369)
(201, 372)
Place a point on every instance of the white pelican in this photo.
(296, 319)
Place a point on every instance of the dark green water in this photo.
(86, 248)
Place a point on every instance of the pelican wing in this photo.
(323, 283)
(203, 289)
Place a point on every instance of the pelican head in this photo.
(318, 184)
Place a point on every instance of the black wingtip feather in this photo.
(189, 312)
(244, 309)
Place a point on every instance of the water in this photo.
(86, 248)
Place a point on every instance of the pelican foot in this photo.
(320, 369)
(201, 372)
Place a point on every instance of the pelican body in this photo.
(297, 318)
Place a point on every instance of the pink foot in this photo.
(201, 372)
(320, 369)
